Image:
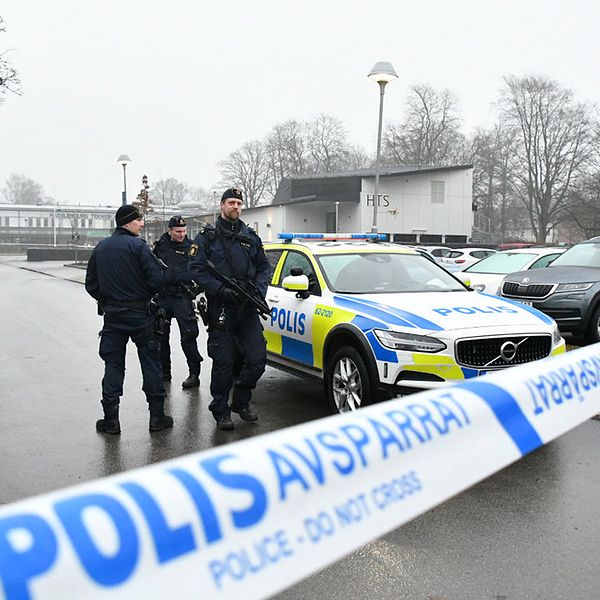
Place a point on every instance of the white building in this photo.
(416, 204)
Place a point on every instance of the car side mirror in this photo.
(298, 284)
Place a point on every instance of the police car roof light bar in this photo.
(288, 237)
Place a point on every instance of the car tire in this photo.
(347, 381)
(592, 333)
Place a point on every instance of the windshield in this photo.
(581, 255)
(385, 272)
(501, 263)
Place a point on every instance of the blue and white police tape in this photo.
(252, 518)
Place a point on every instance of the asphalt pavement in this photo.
(529, 532)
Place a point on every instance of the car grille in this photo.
(539, 290)
(488, 352)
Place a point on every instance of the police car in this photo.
(372, 319)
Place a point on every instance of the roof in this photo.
(343, 186)
(383, 171)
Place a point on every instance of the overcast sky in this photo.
(179, 84)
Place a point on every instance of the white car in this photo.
(436, 251)
(372, 319)
(461, 258)
(487, 275)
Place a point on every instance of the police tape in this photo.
(252, 518)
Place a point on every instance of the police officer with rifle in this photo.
(123, 276)
(173, 248)
(231, 267)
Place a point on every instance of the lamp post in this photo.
(124, 160)
(337, 217)
(382, 73)
(55, 209)
(215, 199)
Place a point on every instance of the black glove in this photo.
(229, 296)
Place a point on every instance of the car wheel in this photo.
(347, 381)
(592, 334)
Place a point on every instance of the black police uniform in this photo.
(123, 275)
(236, 251)
(176, 299)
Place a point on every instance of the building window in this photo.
(438, 192)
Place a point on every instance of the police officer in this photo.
(236, 251)
(123, 275)
(173, 248)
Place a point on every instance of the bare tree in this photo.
(430, 133)
(19, 189)
(327, 144)
(583, 206)
(356, 157)
(493, 190)
(248, 169)
(169, 192)
(198, 195)
(553, 145)
(9, 78)
(286, 149)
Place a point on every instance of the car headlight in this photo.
(556, 337)
(573, 287)
(408, 341)
(479, 287)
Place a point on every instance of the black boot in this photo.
(160, 422)
(108, 426)
(193, 381)
(158, 419)
(110, 422)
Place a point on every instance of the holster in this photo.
(160, 319)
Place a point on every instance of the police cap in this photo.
(232, 193)
(126, 214)
(177, 221)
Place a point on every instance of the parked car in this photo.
(373, 319)
(568, 290)
(436, 251)
(487, 274)
(465, 257)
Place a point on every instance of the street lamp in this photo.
(382, 73)
(124, 160)
(215, 197)
(55, 209)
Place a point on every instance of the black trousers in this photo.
(118, 329)
(181, 309)
(243, 341)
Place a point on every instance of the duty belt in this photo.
(135, 304)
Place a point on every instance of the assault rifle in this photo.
(247, 291)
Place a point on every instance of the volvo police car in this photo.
(373, 320)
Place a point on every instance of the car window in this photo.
(501, 263)
(480, 253)
(273, 257)
(544, 261)
(440, 252)
(297, 259)
(454, 254)
(385, 273)
(580, 255)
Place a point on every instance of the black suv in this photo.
(568, 290)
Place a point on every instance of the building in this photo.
(26, 225)
(415, 204)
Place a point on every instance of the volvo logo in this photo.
(525, 280)
(508, 351)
